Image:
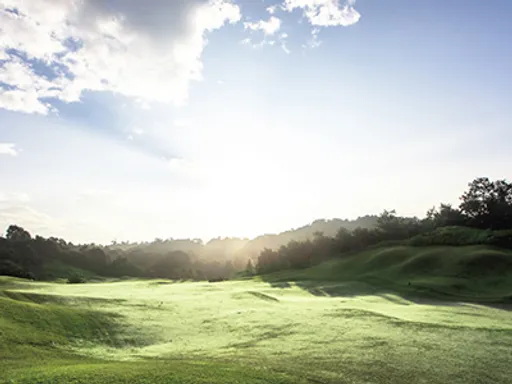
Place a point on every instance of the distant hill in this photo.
(327, 227)
(222, 249)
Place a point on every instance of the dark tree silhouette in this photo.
(488, 204)
(16, 233)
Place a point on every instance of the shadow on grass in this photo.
(416, 293)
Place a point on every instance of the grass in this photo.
(354, 321)
(473, 273)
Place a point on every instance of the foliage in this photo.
(76, 279)
(9, 268)
(249, 269)
(16, 233)
(445, 216)
(486, 205)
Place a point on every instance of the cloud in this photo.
(8, 149)
(29, 87)
(325, 13)
(314, 41)
(18, 213)
(272, 9)
(269, 27)
(284, 46)
(59, 48)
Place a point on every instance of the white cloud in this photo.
(284, 45)
(269, 27)
(12, 212)
(272, 9)
(148, 50)
(8, 149)
(29, 87)
(314, 41)
(325, 13)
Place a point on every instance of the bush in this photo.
(454, 236)
(216, 280)
(9, 268)
(76, 279)
(502, 239)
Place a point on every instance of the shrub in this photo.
(9, 268)
(216, 280)
(455, 236)
(76, 279)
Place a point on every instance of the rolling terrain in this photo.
(386, 315)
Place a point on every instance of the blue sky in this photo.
(135, 120)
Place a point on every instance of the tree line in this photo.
(484, 216)
(23, 255)
(486, 205)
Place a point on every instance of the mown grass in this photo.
(470, 273)
(346, 321)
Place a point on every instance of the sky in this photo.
(131, 120)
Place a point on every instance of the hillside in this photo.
(231, 247)
(328, 228)
(469, 273)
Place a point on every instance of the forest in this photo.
(484, 216)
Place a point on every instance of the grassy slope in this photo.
(471, 273)
(316, 325)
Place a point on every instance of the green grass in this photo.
(354, 320)
(472, 273)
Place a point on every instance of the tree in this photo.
(445, 216)
(394, 227)
(268, 260)
(9, 268)
(488, 204)
(16, 233)
(249, 269)
(97, 260)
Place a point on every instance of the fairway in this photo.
(147, 331)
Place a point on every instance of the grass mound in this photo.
(475, 273)
(151, 372)
(252, 294)
(36, 324)
(487, 262)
